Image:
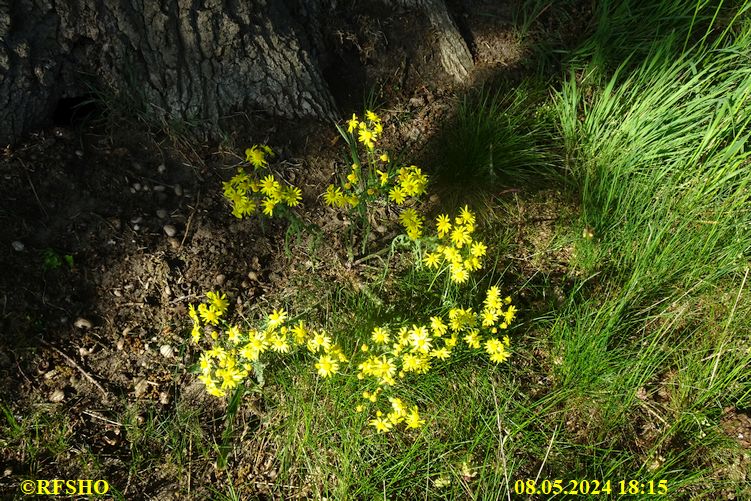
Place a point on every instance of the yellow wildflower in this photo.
(327, 366)
(472, 338)
(466, 216)
(460, 236)
(195, 334)
(443, 225)
(366, 137)
(459, 273)
(269, 186)
(497, 350)
(372, 116)
(478, 249)
(218, 302)
(397, 195)
(192, 314)
(256, 155)
(442, 353)
(432, 260)
(320, 340)
(380, 335)
(352, 123)
(268, 206)
(382, 425)
(299, 333)
(384, 177)
(209, 314)
(437, 326)
(292, 196)
(413, 419)
(277, 318)
(510, 314)
(233, 334)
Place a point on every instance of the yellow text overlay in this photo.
(58, 486)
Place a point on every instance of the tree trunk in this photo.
(455, 55)
(184, 59)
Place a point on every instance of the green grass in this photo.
(495, 139)
(628, 379)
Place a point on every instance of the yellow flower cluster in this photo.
(377, 177)
(410, 182)
(210, 312)
(460, 253)
(230, 360)
(398, 414)
(412, 222)
(367, 130)
(413, 349)
(394, 354)
(247, 191)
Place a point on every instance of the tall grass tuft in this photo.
(624, 30)
(661, 158)
(659, 154)
(496, 138)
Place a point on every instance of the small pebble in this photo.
(137, 186)
(159, 187)
(140, 387)
(57, 395)
(163, 398)
(136, 220)
(166, 351)
(161, 169)
(162, 213)
(82, 323)
(219, 279)
(136, 227)
(253, 276)
(178, 190)
(18, 246)
(79, 153)
(120, 344)
(136, 165)
(170, 230)
(174, 243)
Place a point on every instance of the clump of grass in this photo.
(496, 138)
(659, 155)
(661, 161)
(626, 30)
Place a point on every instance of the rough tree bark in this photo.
(186, 59)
